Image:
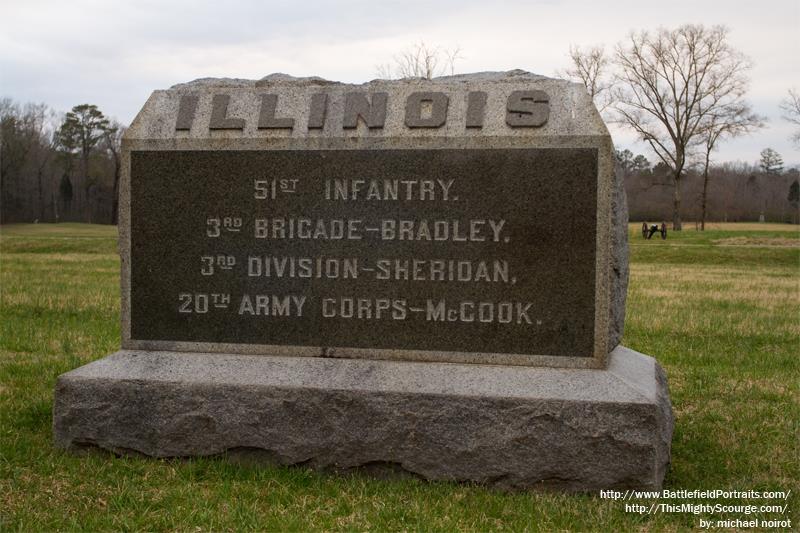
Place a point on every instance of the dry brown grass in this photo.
(748, 226)
(758, 242)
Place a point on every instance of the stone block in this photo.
(508, 427)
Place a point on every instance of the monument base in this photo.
(511, 427)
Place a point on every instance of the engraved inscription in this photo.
(426, 110)
(480, 251)
(476, 106)
(219, 114)
(524, 109)
(318, 111)
(187, 107)
(528, 109)
(369, 108)
(267, 118)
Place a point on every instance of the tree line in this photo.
(726, 192)
(58, 167)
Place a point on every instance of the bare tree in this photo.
(25, 150)
(421, 61)
(669, 82)
(45, 124)
(591, 66)
(791, 112)
(17, 137)
(732, 119)
(112, 141)
(771, 161)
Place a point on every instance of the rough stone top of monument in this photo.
(513, 104)
(278, 78)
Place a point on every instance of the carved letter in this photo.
(527, 109)
(476, 104)
(186, 110)
(357, 106)
(438, 102)
(319, 108)
(219, 112)
(267, 119)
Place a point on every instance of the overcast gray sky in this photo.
(114, 53)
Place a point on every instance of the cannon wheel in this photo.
(663, 230)
(644, 229)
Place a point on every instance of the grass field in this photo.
(720, 310)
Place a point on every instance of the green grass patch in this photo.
(722, 316)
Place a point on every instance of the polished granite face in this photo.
(448, 250)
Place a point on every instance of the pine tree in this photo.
(83, 128)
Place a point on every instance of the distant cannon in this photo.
(649, 230)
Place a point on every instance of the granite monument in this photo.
(423, 274)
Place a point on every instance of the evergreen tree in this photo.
(794, 194)
(83, 128)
